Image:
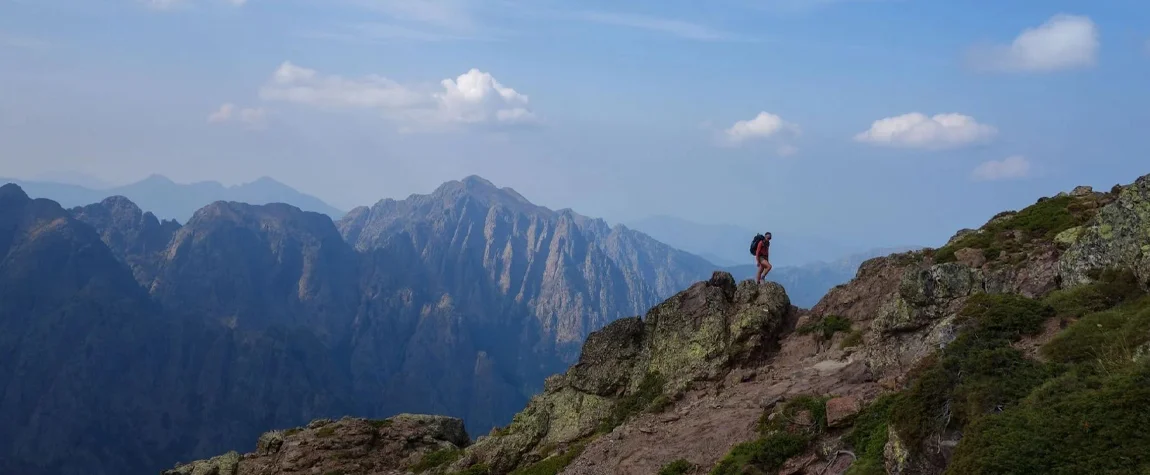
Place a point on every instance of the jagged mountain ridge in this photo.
(851, 385)
(256, 300)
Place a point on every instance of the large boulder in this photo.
(1118, 237)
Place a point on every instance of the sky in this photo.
(880, 122)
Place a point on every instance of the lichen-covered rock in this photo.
(1119, 236)
(927, 294)
(344, 446)
(840, 410)
(700, 333)
(226, 464)
(970, 257)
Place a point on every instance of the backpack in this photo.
(755, 243)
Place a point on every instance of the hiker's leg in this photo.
(766, 267)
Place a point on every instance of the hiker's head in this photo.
(767, 235)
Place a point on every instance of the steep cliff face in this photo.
(569, 273)
(136, 237)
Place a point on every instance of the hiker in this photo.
(761, 249)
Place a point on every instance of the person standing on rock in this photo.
(761, 249)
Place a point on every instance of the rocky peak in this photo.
(137, 238)
(11, 194)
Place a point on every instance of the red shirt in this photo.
(764, 249)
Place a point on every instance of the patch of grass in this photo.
(292, 431)
(436, 459)
(826, 327)
(379, 423)
(1040, 221)
(554, 464)
(479, 469)
(868, 437)
(781, 437)
(1106, 340)
(1111, 287)
(852, 339)
(766, 453)
(325, 431)
(650, 389)
(678, 467)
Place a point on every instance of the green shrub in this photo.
(766, 453)
(379, 423)
(1077, 423)
(978, 372)
(325, 431)
(868, 437)
(554, 464)
(826, 327)
(678, 467)
(1107, 339)
(649, 390)
(436, 459)
(852, 339)
(815, 405)
(292, 431)
(1111, 288)
(479, 469)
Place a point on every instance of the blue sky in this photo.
(760, 113)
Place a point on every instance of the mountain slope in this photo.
(178, 201)
(1018, 347)
(98, 379)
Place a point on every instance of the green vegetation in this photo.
(379, 423)
(978, 372)
(853, 339)
(650, 389)
(782, 436)
(479, 469)
(325, 431)
(1081, 411)
(436, 459)
(292, 431)
(1042, 220)
(868, 437)
(554, 464)
(826, 327)
(678, 467)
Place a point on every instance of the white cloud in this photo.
(1063, 42)
(474, 97)
(764, 125)
(252, 117)
(916, 130)
(682, 29)
(1008, 168)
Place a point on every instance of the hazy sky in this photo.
(888, 122)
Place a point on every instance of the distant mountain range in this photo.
(130, 342)
(728, 245)
(168, 199)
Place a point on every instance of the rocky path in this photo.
(704, 425)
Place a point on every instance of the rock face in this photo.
(388, 446)
(697, 335)
(1120, 236)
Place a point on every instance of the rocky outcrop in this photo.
(1118, 236)
(382, 447)
(136, 237)
(697, 335)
